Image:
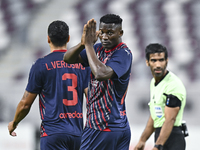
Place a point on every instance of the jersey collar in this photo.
(114, 47)
(63, 50)
(162, 78)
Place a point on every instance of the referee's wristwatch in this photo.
(159, 147)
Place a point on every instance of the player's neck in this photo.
(53, 48)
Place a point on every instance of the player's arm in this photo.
(86, 92)
(73, 54)
(171, 110)
(99, 70)
(149, 129)
(21, 111)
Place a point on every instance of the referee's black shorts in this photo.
(176, 140)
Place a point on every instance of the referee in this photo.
(167, 102)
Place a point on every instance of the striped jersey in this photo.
(60, 87)
(106, 99)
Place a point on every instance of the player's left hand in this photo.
(11, 128)
(90, 32)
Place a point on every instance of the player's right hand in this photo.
(11, 128)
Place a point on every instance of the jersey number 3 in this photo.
(71, 88)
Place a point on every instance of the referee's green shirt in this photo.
(170, 84)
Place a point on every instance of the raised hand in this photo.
(83, 35)
(90, 32)
(90, 35)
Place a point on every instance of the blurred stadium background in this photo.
(23, 39)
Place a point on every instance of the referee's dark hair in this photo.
(155, 48)
(58, 32)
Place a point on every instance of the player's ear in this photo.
(48, 39)
(121, 32)
(147, 62)
(68, 38)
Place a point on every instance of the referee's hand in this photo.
(11, 128)
(139, 146)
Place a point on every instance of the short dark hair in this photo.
(58, 31)
(155, 48)
(111, 18)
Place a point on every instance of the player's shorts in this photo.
(60, 142)
(176, 140)
(102, 140)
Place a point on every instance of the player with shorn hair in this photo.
(107, 126)
(61, 89)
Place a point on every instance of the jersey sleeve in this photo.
(35, 78)
(120, 62)
(177, 90)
